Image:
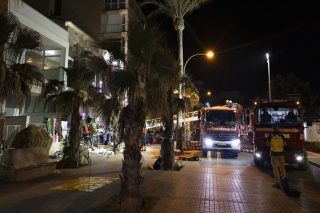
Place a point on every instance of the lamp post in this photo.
(209, 54)
(268, 61)
(209, 98)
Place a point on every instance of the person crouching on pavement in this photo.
(276, 142)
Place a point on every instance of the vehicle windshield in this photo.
(285, 116)
(220, 117)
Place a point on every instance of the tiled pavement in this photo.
(209, 185)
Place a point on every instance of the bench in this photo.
(28, 163)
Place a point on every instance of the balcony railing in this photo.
(113, 28)
(114, 6)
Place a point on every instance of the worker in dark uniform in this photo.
(276, 142)
(265, 117)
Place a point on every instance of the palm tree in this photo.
(162, 103)
(17, 78)
(144, 51)
(69, 96)
(176, 10)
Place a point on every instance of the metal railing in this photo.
(113, 28)
(114, 6)
(187, 117)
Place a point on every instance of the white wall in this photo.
(52, 34)
(312, 133)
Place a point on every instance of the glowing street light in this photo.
(268, 61)
(209, 54)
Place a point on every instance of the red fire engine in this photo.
(291, 127)
(221, 128)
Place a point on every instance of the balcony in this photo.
(114, 6)
(113, 28)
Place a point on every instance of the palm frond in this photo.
(122, 81)
(109, 108)
(53, 87)
(28, 39)
(99, 64)
(29, 74)
(8, 22)
(114, 46)
(176, 9)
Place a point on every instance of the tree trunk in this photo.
(167, 153)
(2, 119)
(179, 27)
(179, 138)
(167, 145)
(133, 119)
(74, 136)
(131, 198)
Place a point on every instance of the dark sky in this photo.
(241, 32)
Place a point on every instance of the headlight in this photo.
(298, 157)
(258, 154)
(208, 141)
(236, 142)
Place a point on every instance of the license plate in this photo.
(222, 144)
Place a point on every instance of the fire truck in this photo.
(221, 128)
(291, 127)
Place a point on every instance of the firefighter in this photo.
(265, 116)
(290, 116)
(276, 142)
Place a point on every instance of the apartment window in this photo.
(114, 4)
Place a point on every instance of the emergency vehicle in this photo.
(291, 127)
(221, 128)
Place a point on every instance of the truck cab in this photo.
(221, 128)
(288, 115)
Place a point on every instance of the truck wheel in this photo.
(303, 166)
(259, 163)
(235, 154)
(204, 153)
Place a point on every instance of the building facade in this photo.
(67, 27)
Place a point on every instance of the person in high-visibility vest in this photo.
(276, 142)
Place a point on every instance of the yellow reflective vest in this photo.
(276, 144)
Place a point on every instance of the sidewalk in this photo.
(314, 158)
(201, 186)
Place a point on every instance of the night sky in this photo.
(241, 32)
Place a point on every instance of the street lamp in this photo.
(268, 61)
(209, 54)
(209, 98)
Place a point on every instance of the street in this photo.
(207, 185)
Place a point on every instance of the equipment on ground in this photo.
(291, 192)
(291, 127)
(221, 128)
